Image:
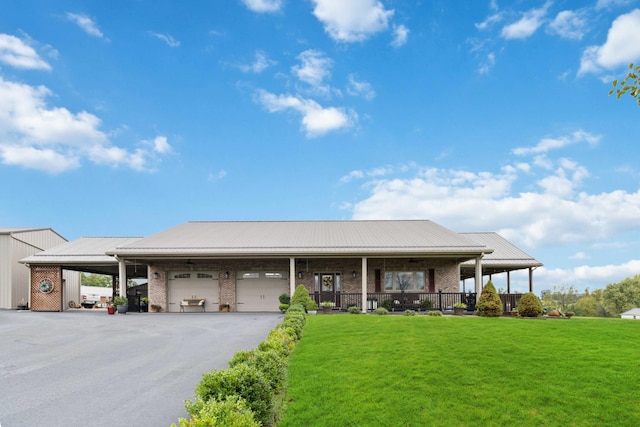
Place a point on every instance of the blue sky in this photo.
(125, 118)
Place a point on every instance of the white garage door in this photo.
(259, 291)
(194, 284)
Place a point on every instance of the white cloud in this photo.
(548, 144)
(86, 23)
(263, 6)
(553, 209)
(53, 139)
(17, 53)
(357, 174)
(580, 255)
(316, 120)
(621, 47)
(594, 277)
(216, 176)
(604, 4)
(488, 64)
(168, 39)
(360, 88)
(527, 25)
(314, 67)
(353, 20)
(569, 25)
(400, 35)
(261, 62)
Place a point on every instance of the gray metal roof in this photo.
(295, 238)
(505, 256)
(11, 230)
(86, 250)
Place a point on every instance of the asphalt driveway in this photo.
(81, 368)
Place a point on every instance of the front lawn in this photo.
(355, 370)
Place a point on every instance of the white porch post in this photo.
(292, 275)
(122, 277)
(479, 275)
(364, 284)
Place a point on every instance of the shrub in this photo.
(529, 305)
(272, 364)
(354, 310)
(435, 313)
(426, 304)
(284, 299)
(279, 340)
(119, 300)
(300, 296)
(296, 308)
(232, 411)
(409, 313)
(381, 311)
(311, 305)
(242, 380)
(283, 307)
(489, 303)
(387, 304)
(292, 327)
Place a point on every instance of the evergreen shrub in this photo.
(489, 304)
(232, 411)
(529, 305)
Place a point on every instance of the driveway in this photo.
(84, 367)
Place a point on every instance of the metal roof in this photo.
(505, 256)
(11, 230)
(295, 238)
(85, 250)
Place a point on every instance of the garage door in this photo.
(259, 291)
(193, 284)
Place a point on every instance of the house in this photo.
(246, 265)
(634, 314)
(17, 243)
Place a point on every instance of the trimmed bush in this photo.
(279, 340)
(242, 380)
(283, 307)
(387, 304)
(529, 305)
(354, 310)
(436, 313)
(271, 363)
(409, 313)
(489, 304)
(284, 299)
(296, 308)
(381, 311)
(300, 296)
(232, 411)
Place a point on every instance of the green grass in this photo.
(461, 371)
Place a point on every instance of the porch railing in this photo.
(399, 301)
(418, 301)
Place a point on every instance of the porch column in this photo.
(530, 279)
(364, 284)
(479, 275)
(508, 282)
(292, 275)
(122, 277)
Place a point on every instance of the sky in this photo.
(125, 118)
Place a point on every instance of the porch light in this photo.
(156, 275)
(300, 275)
(226, 274)
(354, 274)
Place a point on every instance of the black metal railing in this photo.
(398, 301)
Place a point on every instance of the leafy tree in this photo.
(562, 298)
(630, 84)
(489, 304)
(622, 296)
(590, 304)
(99, 280)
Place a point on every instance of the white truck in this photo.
(94, 296)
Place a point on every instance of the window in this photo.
(273, 275)
(205, 276)
(412, 281)
(254, 275)
(182, 276)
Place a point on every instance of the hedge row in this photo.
(245, 394)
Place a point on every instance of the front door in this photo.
(329, 284)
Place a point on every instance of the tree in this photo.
(561, 298)
(630, 84)
(622, 296)
(95, 280)
(489, 303)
